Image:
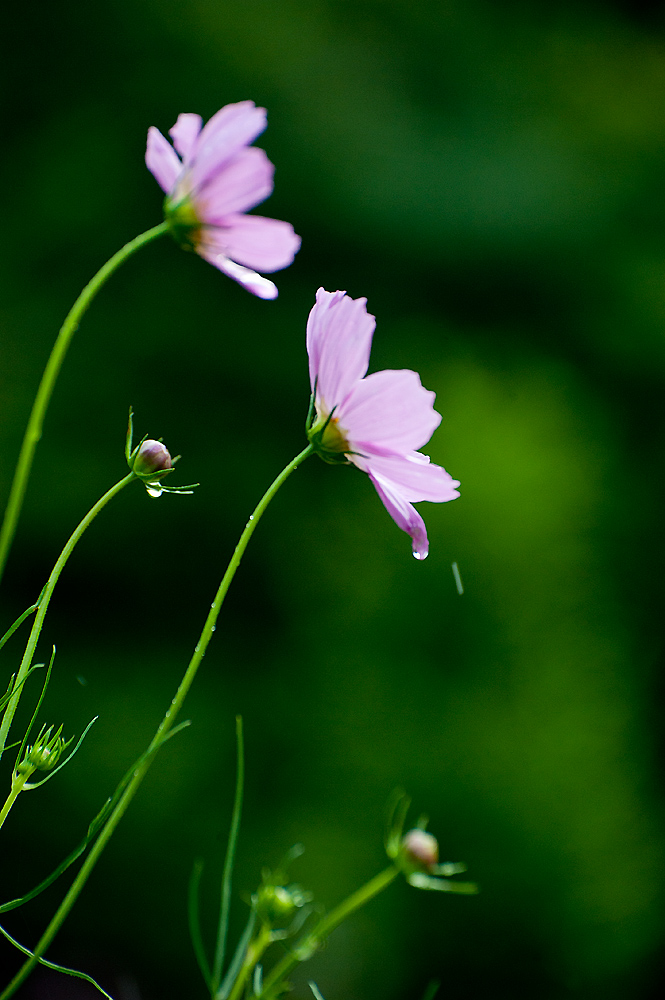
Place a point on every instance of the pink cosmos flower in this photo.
(378, 422)
(209, 186)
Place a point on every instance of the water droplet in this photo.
(197, 648)
(251, 517)
(420, 556)
(213, 605)
(213, 628)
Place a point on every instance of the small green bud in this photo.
(45, 753)
(276, 905)
(419, 852)
(152, 460)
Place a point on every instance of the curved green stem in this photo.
(309, 944)
(45, 598)
(34, 429)
(160, 736)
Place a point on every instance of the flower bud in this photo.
(419, 851)
(45, 753)
(152, 459)
(276, 905)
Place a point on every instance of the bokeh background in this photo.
(490, 175)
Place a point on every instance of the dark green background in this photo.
(491, 177)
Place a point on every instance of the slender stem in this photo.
(18, 781)
(225, 901)
(257, 947)
(44, 603)
(34, 429)
(160, 736)
(308, 945)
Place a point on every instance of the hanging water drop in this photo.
(420, 556)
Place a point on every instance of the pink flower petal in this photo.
(161, 160)
(403, 514)
(339, 339)
(391, 409)
(253, 282)
(185, 133)
(414, 476)
(264, 244)
(225, 134)
(243, 182)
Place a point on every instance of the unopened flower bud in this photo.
(277, 904)
(419, 851)
(152, 459)
(45, 753)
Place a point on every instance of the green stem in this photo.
(309, 944)
(47, 593)
(18, 781)
(162, 732)
(254, 953)
(34, 429)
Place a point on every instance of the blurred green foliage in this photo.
(490, 176)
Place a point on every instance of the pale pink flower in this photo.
(215, 179)
(378, 422)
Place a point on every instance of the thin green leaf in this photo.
(56, 968)
(257, 980)
(398, 806)
(421, 881)
(195, 921)
(19, 621)
(69, 860)
(38, 784)
(222, 929)
(11, 690)
(237, 960)
(92, 829)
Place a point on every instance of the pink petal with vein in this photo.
(403, 514)
(264, 244)
(185, 133)
(414, 476)
(243, 182)
(162, 160)
(391, 409)
(225, 134)
(339, 339)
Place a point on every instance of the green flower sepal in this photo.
(325, 435)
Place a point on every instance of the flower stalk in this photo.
(306, 947)
(164, 729)
(44, 601)
(34, 429)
